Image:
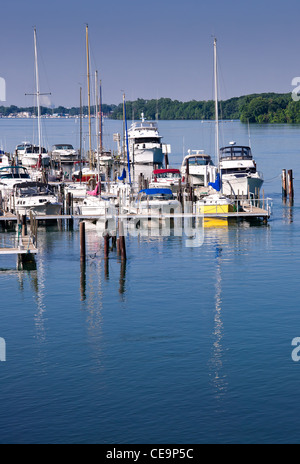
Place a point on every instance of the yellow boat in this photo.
(215, 204)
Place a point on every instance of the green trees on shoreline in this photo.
(265, 108)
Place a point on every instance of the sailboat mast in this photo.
(80, 149)
(216, 103)
(37, 90)
(101, 122)
(97, 112)
(89, 95)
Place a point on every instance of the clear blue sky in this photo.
(150, 49)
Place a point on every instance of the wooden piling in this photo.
(24, 225)
(122, 241)
(291, 184)
(82, 242)
(284, 184)
(106, 245)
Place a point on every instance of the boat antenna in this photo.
(249, 134)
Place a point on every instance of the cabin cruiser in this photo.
(105, 158)
(64, 153)
(86, 175)
(4, 160)
(215, 203)
(35, 156)
(166, 178)
(156, 201)
(10, 176)
(21, 149)
(238, 171)
(201, 169)
(145, 146)
(37, 198)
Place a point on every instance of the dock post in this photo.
(106, 245)
(284, 184)
(82, 242)
(122, 241)
(24, 226)
(291, 184)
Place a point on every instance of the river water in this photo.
(180, 345)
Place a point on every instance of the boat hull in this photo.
(49, 209)
(241, 186)
(32, 161)
(147, 156)
(215, 209)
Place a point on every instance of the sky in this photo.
(153, 49)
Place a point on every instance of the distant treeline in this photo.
(257, 108)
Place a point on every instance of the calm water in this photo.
(184, 345)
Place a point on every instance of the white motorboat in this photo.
(4, 160)
(105, 158)
(239, 172)
(20, 150)
(198, 169)
(166, 178)
(145, 146)
(10, 176)
(37, 198)
(156, 201)
(35, 157)
(64, 153)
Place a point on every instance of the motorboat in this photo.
(10, 176)
(215, 203)
(239, 171)
(105, 158)
(64, 153)
(198, 169)
(87, 174)
(35, 157)
(4, 160)
(166, 178)
(20, 150)
(156, 201)
(37, 198)
(145, 143)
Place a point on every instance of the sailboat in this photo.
(36, 156)
(215, 203)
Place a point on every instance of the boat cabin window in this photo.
(147, 140)
(239, 171)
(234, 152)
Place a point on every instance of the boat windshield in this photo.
(168, 175)
(200, 161)
(63, 147)
(14, 173)
(158, 196)
(33, 190)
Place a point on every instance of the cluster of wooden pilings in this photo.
(288, 185)
(118, 242)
